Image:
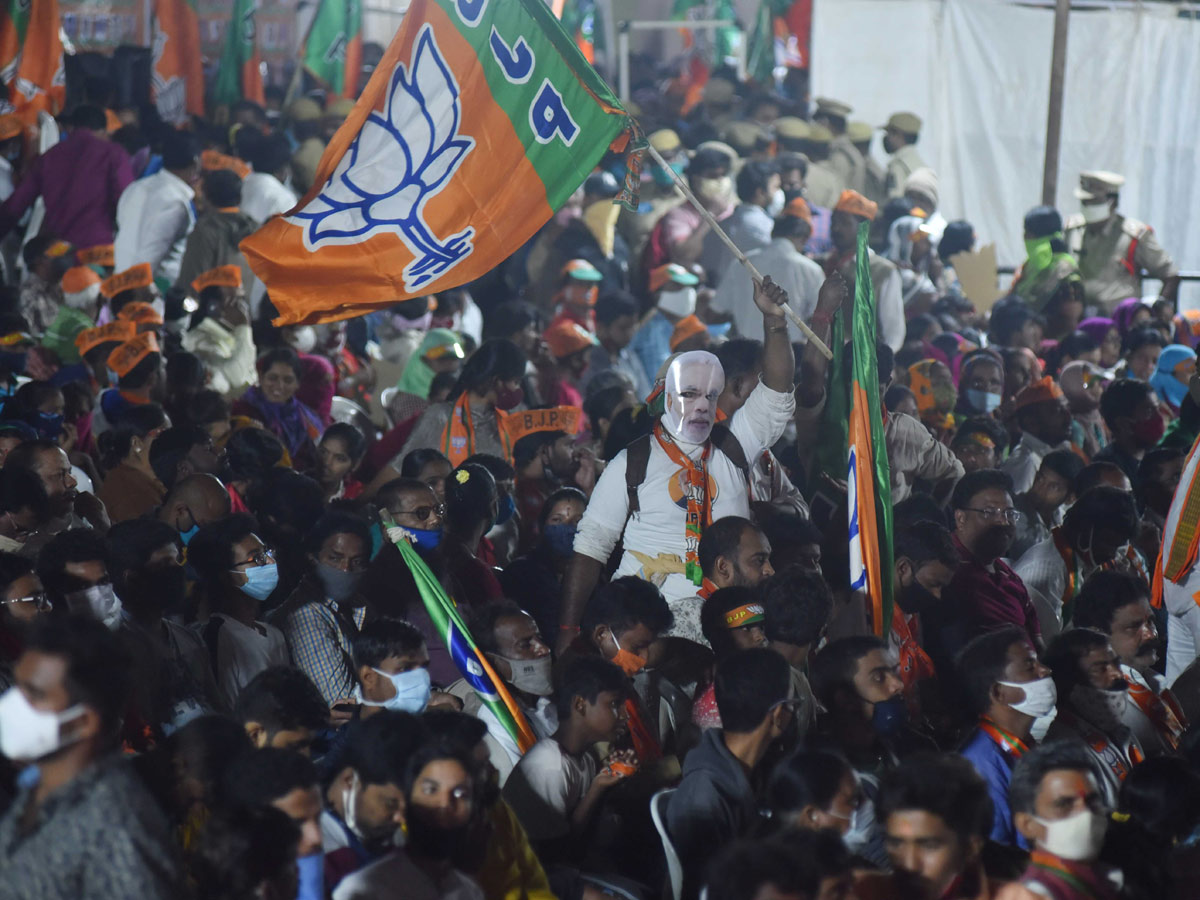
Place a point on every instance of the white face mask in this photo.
(530, 675)
(100, 602)
(1040, 696)
(1095, 212)
(694, 382)
(28, 734)
(678, 302)
(83, 299)
(775, 207)
(1077, 838)
(714, 190)
(350, 804)
(303, 339)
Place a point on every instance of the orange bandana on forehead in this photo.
(129, 354)
(857, 205)
(211, 160)
(221, 276)
(517, 425)
(750, 614)
(137, 277)
(114, 332)
(100, 255)
(140, 313)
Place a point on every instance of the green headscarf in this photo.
(417, 376)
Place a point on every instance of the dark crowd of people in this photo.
(622, 463)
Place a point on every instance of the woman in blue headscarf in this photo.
(1176, 365)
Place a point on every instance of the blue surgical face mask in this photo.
(186, 536)
(984, 401)
(260, 581)
(426, 538)
(889, 717)
(662, 177)
(561, 539)
(412, 691)
(507, 510)
(312, 877)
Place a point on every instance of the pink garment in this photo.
(317, 385)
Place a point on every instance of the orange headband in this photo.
(221, 276)
(558, 418)
(136, 277)
(129, 354)
(750, 614)
(211, 159)
(100, 255)
(140, 313)
(856, 204)
(116, 332)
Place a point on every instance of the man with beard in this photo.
(364, 801)
(1092, 697)
(1008, 689)
(68, 508)
(988, 592)
(545, 460)
(733, 553)
(173, 680)
(1118, 604)
(1094, 534)
(936, 816)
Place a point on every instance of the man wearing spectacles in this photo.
(987, 593)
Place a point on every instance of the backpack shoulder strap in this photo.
(637, 458)
(722, 438)
(210, 639)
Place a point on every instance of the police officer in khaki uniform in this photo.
(656, 198)
(860, 134)
(822, 185)
(844, 159)
(899, 139)
(1113, 250)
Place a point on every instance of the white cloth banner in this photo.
(978, 73)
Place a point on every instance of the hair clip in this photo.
(462, 476)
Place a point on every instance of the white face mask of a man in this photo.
(694, 382)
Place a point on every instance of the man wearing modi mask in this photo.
(659, 494)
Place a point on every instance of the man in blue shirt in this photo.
(1009, 688)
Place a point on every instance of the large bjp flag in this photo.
(31, 57)
(479, 122)
(869, 476)
(177, 75)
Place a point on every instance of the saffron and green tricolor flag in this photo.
(481, 120)
(332, 52)
(471, 661)
(239, 75)
(869, 475)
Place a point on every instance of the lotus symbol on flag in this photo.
(397, 163)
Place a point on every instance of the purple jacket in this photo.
(81, 178)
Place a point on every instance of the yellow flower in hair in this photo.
(462, 476)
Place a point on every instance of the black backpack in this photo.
(637, 458)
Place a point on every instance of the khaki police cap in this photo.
(819, 134)
(834, 107)
(1097, 185)
(792, 128)
(859, 132)
(909, 123)
(743, 136)
(665, 141)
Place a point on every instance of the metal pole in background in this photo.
(1058, 66)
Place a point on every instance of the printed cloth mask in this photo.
(27, 733)
(1077, 838)
(1040, 696)
(694, 382)
(412, 691)
(260, 581)
(100, 602)
(630, 663)
(1103, 708)
(338, 585)
(678, 302)
(530, 675)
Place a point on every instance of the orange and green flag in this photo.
(239, 75)
(31, 57)
(332, 52)
(480, 121)
(177, 74)
(868, 479)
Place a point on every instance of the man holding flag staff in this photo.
(692, 471)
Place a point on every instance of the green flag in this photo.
(240, 73)
(332, 52)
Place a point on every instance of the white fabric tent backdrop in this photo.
(978, 73)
